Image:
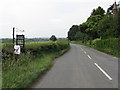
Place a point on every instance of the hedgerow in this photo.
(18, 71)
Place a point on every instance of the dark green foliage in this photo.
(72, 32)
(81, 36)
(118, 23)
(92, 23)
(88, 29)
(101, 31)
(7, 50)
(109, 10)
(109, 27)
(98, 25)
(53, 38)
(83, 27)
(98, 11)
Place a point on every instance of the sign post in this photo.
(13, 34)
(20, 40)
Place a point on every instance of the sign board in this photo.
(17, 49)
(20, 40)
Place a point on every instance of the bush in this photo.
(111, 46)
(95, 40)
(32, 50)
(46, 47)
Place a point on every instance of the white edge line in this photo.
(103, 71)
(89, 57)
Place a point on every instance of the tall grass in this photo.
(110, 46)
(20, 71)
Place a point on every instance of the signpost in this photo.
(20, 41)
(13, 34)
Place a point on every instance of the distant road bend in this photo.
(81, 67)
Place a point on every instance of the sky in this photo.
(43, 18)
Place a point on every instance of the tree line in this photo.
(100, 24)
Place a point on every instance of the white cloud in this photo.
(41, 18)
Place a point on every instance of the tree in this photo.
(109, 10)
(53, 38)
(80, 36)
(72, 32)
(98, 11)
(98, 25)
(83, 27)
(108, 27)
(118, 23)
(92, 23)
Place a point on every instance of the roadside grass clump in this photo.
(18, 71)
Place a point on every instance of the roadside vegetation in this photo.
(101, 31)
(19, 71)
(110, 46)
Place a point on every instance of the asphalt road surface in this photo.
(81, 67)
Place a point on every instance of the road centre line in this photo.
(89, 57)
(103, 71)
(82, 49)
(85, 52)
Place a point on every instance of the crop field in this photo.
(18, 71)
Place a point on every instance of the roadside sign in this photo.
(20, 40)
(17, 49)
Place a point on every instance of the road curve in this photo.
(81, 67)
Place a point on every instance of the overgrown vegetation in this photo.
(99, 26)
(110, 46)
(20, 71)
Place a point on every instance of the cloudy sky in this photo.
(43, 18)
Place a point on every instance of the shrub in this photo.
(95, 40)
(10, 61)
(111, 46)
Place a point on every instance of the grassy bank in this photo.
(110, 46)
(38, 58)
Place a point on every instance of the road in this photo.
(81, 67)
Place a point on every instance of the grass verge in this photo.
(24, 75)
(109, 46)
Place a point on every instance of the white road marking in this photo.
(81, 49)
(85, 52)
(103, 71)
(89, 57)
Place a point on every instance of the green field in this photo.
(20, 71)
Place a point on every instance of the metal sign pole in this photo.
(13, 35)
